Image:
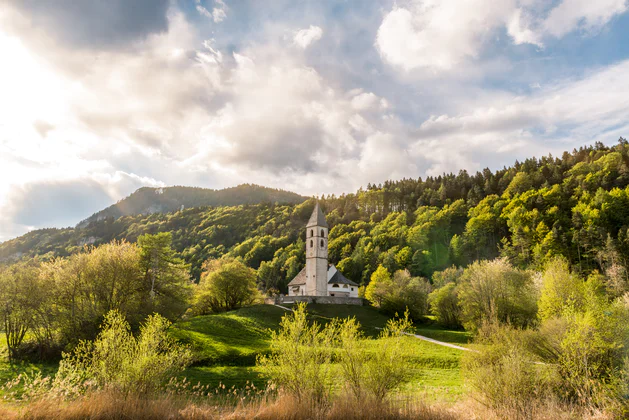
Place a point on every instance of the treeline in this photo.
(547, 338)
(162, 200)
(48, 306)
(575, 206)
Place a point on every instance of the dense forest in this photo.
(576, 205)
(163, 200)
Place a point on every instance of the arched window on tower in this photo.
(311, 233)
(321, 243)
(311, 244)
(322, 233)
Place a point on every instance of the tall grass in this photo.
(107, 405)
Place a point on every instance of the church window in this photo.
(322, 233)
(321, 243)
(344, 286)
(352, 289)
(335, 285)
(311, 233)
(311, 243)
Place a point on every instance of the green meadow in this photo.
(226, 346)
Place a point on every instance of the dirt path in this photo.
(441, 343)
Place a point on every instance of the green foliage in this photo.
(371, 375)
(378, 286)
(562, 291)
(64, 300)
(166, 277)
(444, 305)
(400, 293)
(117, 360)
(506, 375)
(300, 357)
(495, 291)
(302, 354)
(23, 306)
(226, 284)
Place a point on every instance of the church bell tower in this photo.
(317, 254)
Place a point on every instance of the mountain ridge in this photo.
(149, 200)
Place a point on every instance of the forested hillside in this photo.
(576, 205)
(163, 200)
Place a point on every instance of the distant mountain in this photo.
(164, 200)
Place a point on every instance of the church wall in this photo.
(327, 300)
(343, 291)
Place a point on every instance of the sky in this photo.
(101, 97)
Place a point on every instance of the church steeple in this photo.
(317, 254)
(317, 218)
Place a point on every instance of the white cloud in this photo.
(435, 35)
(306, 37)
(218, 13)
(583, 110)
(587, 15)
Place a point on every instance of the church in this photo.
(319, 278)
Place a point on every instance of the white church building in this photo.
(319, 278)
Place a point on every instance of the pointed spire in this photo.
(317, 218)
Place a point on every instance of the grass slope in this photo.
(227, 344)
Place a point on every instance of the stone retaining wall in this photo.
(327, 300)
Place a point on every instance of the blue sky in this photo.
(101, 98)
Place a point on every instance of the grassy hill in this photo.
(226, 346)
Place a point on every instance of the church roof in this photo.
(299, 278)
(317, 218)
(335, 277)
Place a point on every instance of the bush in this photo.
(301, 353)
(371, 375)
(561, 290)
(444, 305)
(225, 284)
(118, 361)
(495, 291)
(505, 374)
(397, 294)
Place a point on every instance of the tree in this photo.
(378, 286)
(225, 284)
(167, 286)
(18, 300)
(561, 290)
(495, 291)
(444, 305)
(116, 360)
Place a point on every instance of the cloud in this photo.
(190, 102)
(559, 116)
(63, 203)
(582, 14)
(439, 35)
(96, 24)
(218, 13)
(306, 37)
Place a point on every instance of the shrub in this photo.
(116, 360)
(301, 353)
(505, 374)
(371, 375)
(378, 286)
(225, 284)
(495, 291)
(444, 305)
(561, 290)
